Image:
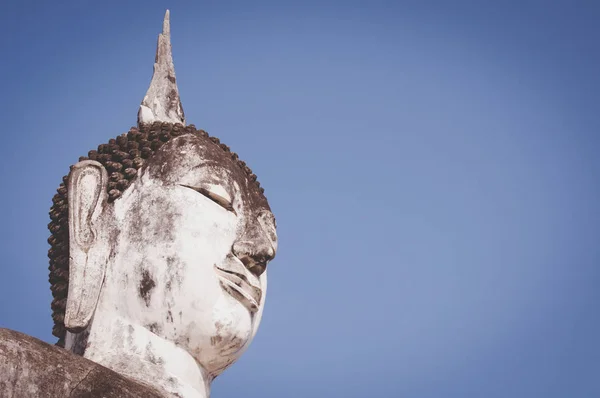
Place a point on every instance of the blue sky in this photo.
(433, 167)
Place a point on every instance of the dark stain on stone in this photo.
(154, 328)
(214, 340)
(146, 286)
(173, 96)
(165, 229)
(80, 342)
(130, 336)
(174, 266)
(169, 316)
(183, 341)
(151, 357)
(235, 345)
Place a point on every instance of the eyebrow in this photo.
(215, 165)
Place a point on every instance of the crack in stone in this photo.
(80, 381)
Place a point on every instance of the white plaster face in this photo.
(192, 237)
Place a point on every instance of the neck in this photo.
(139, 354)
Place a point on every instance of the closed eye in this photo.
(218, 199)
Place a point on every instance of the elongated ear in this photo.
(87, 248)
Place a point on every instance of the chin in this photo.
(231, 331)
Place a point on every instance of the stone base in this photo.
(32, 368)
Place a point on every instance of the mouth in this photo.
(238, 286)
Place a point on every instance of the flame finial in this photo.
(162, 102)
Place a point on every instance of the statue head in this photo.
(160, 241)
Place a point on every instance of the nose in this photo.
(255, 250)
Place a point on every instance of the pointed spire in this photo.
(162, 102)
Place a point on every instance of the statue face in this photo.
(193, 236)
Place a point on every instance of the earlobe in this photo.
(87, 247)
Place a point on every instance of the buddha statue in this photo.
(160, 241)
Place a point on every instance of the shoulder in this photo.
(32, 368)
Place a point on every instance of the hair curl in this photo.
(122, 157)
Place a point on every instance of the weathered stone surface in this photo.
(167, 280)
(158, 265)
(31, 368)
(162, 102)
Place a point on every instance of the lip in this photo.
(240, 288)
